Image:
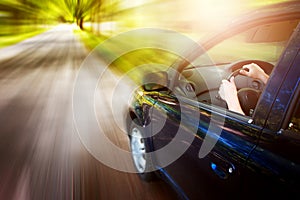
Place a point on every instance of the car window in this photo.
(264, 43)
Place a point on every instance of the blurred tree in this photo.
(81, 9)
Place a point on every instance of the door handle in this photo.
(221, 166)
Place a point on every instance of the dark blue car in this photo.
(181, 130)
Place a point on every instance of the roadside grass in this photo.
(134, 62)
(90, 40)
(10, 39)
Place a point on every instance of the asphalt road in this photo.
(48, 146)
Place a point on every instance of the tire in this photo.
(140, 149)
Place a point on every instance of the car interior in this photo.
(262, 45)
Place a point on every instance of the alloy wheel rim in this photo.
(138, 150)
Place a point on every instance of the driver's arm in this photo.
(228, 92)
(254, 71)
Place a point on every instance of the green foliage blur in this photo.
(113, 16)
(98, 20)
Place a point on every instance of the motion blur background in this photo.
(96, 20)
(20, 19)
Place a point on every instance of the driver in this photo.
(228, 90)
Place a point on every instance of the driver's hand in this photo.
(254, 71)
(227, 89)
(228, 92)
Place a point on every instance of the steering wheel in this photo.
(249, 89)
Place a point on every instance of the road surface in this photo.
(44, 154)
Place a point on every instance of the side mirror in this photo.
(155, 81)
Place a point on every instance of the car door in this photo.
(202, 149)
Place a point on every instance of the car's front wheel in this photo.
(140, 151)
